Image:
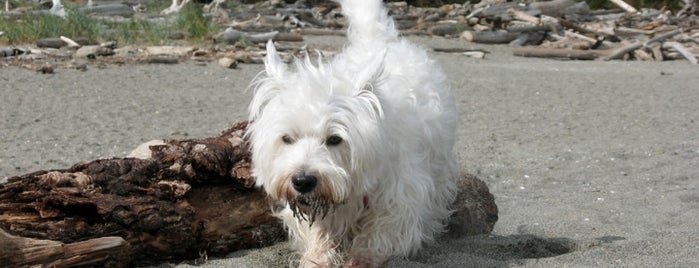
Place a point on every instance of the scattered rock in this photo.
(46, 68)
(226, 62)
(94, 51)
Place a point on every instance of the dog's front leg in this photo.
(317, 258)
(364, 258)
(313, 243)
(361, 255)
(319, 250)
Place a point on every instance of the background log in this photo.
(489, 37)
(683, 51)
(560, 53)
(553, 8)
(183, 200)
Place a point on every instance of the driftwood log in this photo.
(20, 251)
(560, 53)
(187, 200)
(489, 37)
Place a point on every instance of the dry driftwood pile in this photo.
(180, 200)
(563, 29)
(570, 30)
(45, 59)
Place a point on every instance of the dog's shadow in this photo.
(495, 250)
(450, 250)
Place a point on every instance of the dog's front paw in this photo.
(364, 262)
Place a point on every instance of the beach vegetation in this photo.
(31, 26)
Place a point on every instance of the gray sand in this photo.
(593, 164)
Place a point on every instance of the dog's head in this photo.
(315, 133)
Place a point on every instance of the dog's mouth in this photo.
(310, 208)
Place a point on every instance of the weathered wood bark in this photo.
(181, 200)
(192, 197)
(20, 251)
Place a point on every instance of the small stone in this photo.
(227, 63)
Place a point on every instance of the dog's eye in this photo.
(287, 139)
(333, 140)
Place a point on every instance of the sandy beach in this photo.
(592, 164)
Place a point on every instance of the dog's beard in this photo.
(310, 208)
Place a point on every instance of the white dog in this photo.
(358, 150)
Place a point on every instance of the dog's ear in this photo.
(370, 77)
(366, 82)
(274, 67)
(267, 86)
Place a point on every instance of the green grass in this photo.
(134, 31)
(78, 24)
(192, 21)
(35, 26)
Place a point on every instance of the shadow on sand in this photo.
(500, 251)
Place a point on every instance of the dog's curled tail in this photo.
(368, 20)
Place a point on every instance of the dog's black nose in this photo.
(304, 183)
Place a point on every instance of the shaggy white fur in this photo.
(359, 149)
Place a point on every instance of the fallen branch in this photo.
(559, 53)
(458, 50)
(572, 34)
(682, 50)
(623, 5)
(620, 52)
(231, 35)
(523, 16)
(316, 31)
(70, 42)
